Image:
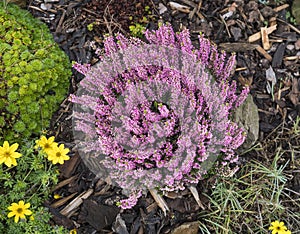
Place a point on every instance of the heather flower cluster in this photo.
(155, 115)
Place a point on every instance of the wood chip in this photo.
(290, 58)
(291, 26)
(179, 7)
(264, 53)
(160, 201)
(245, 81)
(73, 205)
(65, 182)
(272, 21)
(257, 36)
(192, 13)
(237, 47)
(280, 8)
(196, 196)
(201, 17)
(151, 207)
(278, 55)
(265, 38)
(62, 201)
(189, 3)
(241, 69)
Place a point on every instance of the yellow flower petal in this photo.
(27, 212)
(2, 159)
(8, 162)
(5, 145)
(16, 218)
(13, 147)
(13, 161)
(10, 214)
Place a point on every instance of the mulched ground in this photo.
(227, 23)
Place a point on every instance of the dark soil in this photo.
(68, 20)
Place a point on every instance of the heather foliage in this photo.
(156, 115)
(34, 74)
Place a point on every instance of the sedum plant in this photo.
(157, 114)
(34, 74)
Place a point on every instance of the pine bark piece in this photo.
(62, 201)
(160, 201)
(196, 196)
(265, 38)
(264, 53)
(289, 58)
(237, 47)
(278, 55)
(73, 205)
(282, 7)
(179, 7)
(187, 228)
(65, 182)
(257, 36)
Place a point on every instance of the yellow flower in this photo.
(287, 232)
(58, 154)
(8, 155)
(46, 144)
(278, 227)
(73, 231)
(19, 210)
(56, 196)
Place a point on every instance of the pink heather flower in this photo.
(82, 68)
(149, 140)
(131, 201)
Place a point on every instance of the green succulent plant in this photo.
(34, 74)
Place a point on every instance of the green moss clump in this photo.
(34, 74)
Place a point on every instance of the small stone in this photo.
(297, 44)
(246, 116)
(46, 6)
(252, 5)
(162, 8)
(267, 11)
(290, 47)
(187, 228)
(236, 32)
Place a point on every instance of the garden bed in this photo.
(235, 26)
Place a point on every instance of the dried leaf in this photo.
(294, 95)
(244, 81)
(160, 201)
(271, 76)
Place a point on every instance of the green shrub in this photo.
(34, 74)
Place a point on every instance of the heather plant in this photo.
(26, 177)
(157, 114)
(34, 74)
